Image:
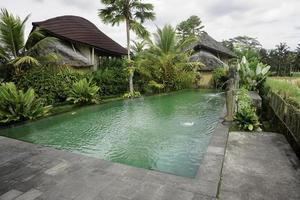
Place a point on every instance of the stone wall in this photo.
(287, 113)
(206, 80)
(287, 118)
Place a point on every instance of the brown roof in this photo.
(78, 29)
(207, 43)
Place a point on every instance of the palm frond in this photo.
(139, 29)
(42, 44)
(35, 36)
(12, 32)
(25, 60)
(165, 39)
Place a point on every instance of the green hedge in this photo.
(111, 77)
(51, 83)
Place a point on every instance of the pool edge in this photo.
(205, 183)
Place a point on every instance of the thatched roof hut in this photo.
(210, 52)
(82, 37)
(209, 44)
(209, 60)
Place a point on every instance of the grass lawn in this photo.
(287, 87)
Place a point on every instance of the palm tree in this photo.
(134, 13)
(11, 35)
(13, 49)
(138, 47)
(166, 63)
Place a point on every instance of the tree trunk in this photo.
(129, 58)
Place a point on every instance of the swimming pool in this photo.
(168, 133)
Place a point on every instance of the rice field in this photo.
(287, 87)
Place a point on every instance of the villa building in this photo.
(212, 54)
(81, 44)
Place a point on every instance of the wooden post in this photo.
(93, 59)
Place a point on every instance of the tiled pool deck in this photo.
(29, 171)
(259, 166)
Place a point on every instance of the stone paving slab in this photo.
(259, 166)
(33, 172)
(10, 195)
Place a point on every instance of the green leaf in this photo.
(250, 127)
(15, 105)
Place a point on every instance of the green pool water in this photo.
(168, 133)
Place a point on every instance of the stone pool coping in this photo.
(58, 167)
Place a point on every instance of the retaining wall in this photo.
(288, 116)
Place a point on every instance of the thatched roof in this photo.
(209, 60)
(79, 30)
(209, 44)
(66, 55)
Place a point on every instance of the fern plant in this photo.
(15, 105)
(84, 92)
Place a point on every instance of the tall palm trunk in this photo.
(128, 54)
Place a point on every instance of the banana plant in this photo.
(251, 78)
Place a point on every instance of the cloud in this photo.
(80, 4)
(229, 7)
(271, 21)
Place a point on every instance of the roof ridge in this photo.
(208, 41)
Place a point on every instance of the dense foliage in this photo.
(111, 77)
(220, 76)
(164, 65)
(246, 116)
(191, 27)
(84, 92)
(15, 105)
(283, 61)
(14, 51)
(51, 83)
(129, 95)
(134, 13)
(252, 78)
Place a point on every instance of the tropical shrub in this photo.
(130, 95)
(111, 77)
(252, 79)
(84, 92)
(134, 13)
(14, 51)
(15, 105)
(166, 62)
(153, 85)
(246, 116)
(220, 76)
(51, 83)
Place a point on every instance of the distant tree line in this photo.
(282, 59)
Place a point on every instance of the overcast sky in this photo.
(270, 21)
